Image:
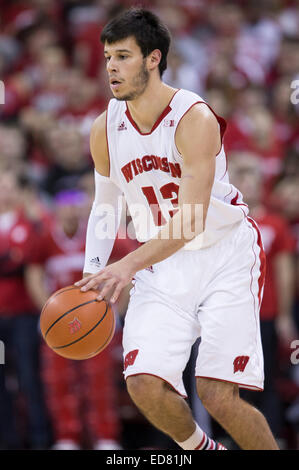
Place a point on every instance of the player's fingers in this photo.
(116, 293)
(105, 289)
(83, 281)
(86, 279)
(92, 283)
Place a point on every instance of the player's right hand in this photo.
(112, 278)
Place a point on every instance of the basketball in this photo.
(75, 325)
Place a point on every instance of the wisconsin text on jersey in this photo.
(148, 163)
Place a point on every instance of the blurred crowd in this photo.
(243, 58)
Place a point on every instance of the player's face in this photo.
(126, 67)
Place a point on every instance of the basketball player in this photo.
(162, 148)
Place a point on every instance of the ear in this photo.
(154, 59)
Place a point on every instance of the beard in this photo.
(139, 84)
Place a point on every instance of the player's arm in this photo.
(105, 213)
(198, 140)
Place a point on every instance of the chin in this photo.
(119, 97)
(123, 98)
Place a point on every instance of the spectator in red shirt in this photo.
(252, 128)
(18, 323)
(286, 200)
(81, 395)
(277, 321)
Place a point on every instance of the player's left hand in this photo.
(113, 277)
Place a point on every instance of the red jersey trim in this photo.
(160, 118)
(153, 375)
(220, 120)
(234, 202)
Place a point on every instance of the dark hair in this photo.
(147, 29)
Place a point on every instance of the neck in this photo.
(146, 109)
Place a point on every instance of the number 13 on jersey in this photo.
(169, 191)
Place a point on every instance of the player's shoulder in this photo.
(196, 108)
(99, 124)
(98, 144)
(198, 115)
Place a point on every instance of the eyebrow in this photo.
(119, 50)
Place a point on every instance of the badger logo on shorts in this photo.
(130, 358)
(75, 325)
(240, 363)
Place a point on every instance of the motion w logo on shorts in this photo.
(130, 358)
(240, 363)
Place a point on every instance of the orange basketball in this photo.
(76, 325)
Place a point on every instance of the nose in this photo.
(111, 65)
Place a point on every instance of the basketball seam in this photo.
(55, 295)
(66, 313)
(86, 334)
(109, 337)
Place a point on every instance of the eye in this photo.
(123, 57)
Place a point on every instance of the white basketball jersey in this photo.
(147, 168)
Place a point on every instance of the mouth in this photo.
(114, 83)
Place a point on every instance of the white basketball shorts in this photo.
(213, 293)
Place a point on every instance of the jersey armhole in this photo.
(220, 120)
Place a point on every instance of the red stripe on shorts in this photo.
(262, 276)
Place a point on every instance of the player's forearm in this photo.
(103, 224)
(184, 226)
